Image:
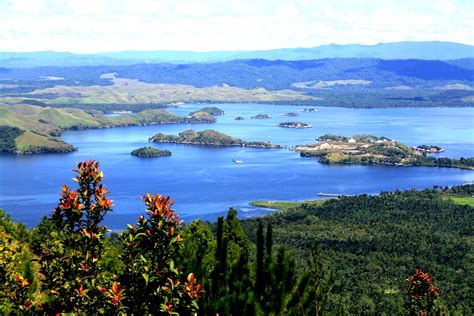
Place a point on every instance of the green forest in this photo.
(395, 253)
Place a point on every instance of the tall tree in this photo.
(259, 283)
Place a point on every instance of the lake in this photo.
(205, 182)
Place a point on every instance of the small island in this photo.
(294, 125)
(208, 138)
(150, 152)
(290, 114)
(260, 117)
(211, 110)
(373, 150)
(239, 118)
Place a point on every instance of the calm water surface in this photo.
(205, 183)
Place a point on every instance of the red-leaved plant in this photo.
(423, 294)
(153, 282)
(69, 257)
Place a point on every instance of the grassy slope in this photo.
(31, 142)
(67, 118)
(135, 92)
(25, 119)
(462, 200)
(284, 205)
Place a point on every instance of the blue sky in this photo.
(88, 26)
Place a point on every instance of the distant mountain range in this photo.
(398, 50)
(256, 73)
(354, 82)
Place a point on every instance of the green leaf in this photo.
(146, 277)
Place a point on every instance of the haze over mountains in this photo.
(433, 50)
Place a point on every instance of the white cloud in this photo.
(446, 6)
(110, 25)
(28, 7)
(88, 7)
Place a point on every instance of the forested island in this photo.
(367, 149)
(212, 110)
(395, 254)
(208, 138)
(30, 129)
(260, 117)
(150, 152)
(294, 125)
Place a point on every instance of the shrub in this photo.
(152, 279)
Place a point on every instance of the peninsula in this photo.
(209, 138)
(373, 150)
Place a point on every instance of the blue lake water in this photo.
(205, 182)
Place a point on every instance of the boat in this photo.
(237, 161)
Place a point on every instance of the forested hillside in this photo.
(371, 242)
(253, 73)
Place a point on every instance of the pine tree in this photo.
(259, 284)
(269, 239)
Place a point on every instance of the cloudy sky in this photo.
(87, 26)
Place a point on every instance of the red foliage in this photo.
(422, 293)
